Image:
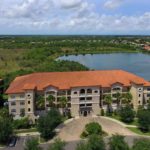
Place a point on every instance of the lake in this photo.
(137, 63)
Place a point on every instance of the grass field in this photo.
(138, 131)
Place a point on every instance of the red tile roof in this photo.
(66, 80)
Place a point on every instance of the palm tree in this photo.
(40, 102)
(63, 103)
(127, 97)
(108, 100)
(51, 100)
(118, 97)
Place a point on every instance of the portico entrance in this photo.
(85, 111)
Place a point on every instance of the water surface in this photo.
(136, 63)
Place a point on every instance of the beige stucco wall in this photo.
(75, 110)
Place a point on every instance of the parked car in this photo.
(12, 141)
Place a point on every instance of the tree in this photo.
(63, 103)
(6, 129)
(141, 144)
(127, 114)
(47, 123)
(127, 98)
(4, 113)
(51, 100)
(93, 128)
(117, 143)
(95, 142)
(143, 116)
(118, 97)
(108, 100)
(82, 146)
(57, 145)
(22, 123)
(40, 102)
(32, 144)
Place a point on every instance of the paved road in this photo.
(72, 130)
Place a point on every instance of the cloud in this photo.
(27, 9)
(67, 4)
(112, 4)
(69, 16)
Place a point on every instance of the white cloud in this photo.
(27, 9)
(112, 4)
(70, 3)
(69, 16)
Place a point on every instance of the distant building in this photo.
(147, 47)
(84, 90)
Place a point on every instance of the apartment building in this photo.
(84, 90)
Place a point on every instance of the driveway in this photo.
(72, 130)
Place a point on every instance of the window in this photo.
(89, 91)
(82, 91)
(82, 105)
(95, 91)
(12, 96)
(148, 95)
(139, 102)
(89, 98)
(116, 88)
(69, 105)
(139, 89)
(148, 89)
(13, 110)
(82, 98)
(21, 96)
(29, 96)
(22, 103)
(22, 112)
(28, 102)
(139, 95)
(75, 92)
(88, 105)
(13, 103)
(29, 109)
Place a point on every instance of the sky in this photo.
(56, 17)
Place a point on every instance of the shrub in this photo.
(95, 142)
(46, 124)
(117, 143)
(5, 129)
(141, 144)
(32, 144)
(22, 123)
(127, 114)
(92, 128)
(57, 145)
(144, 119)
(82, 146)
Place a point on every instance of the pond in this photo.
(137, 63)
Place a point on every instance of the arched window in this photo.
(89, 91)
(82, 91)
(117, 88)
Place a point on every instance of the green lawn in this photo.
(138, 131)
(26, 130)
(135, 122)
